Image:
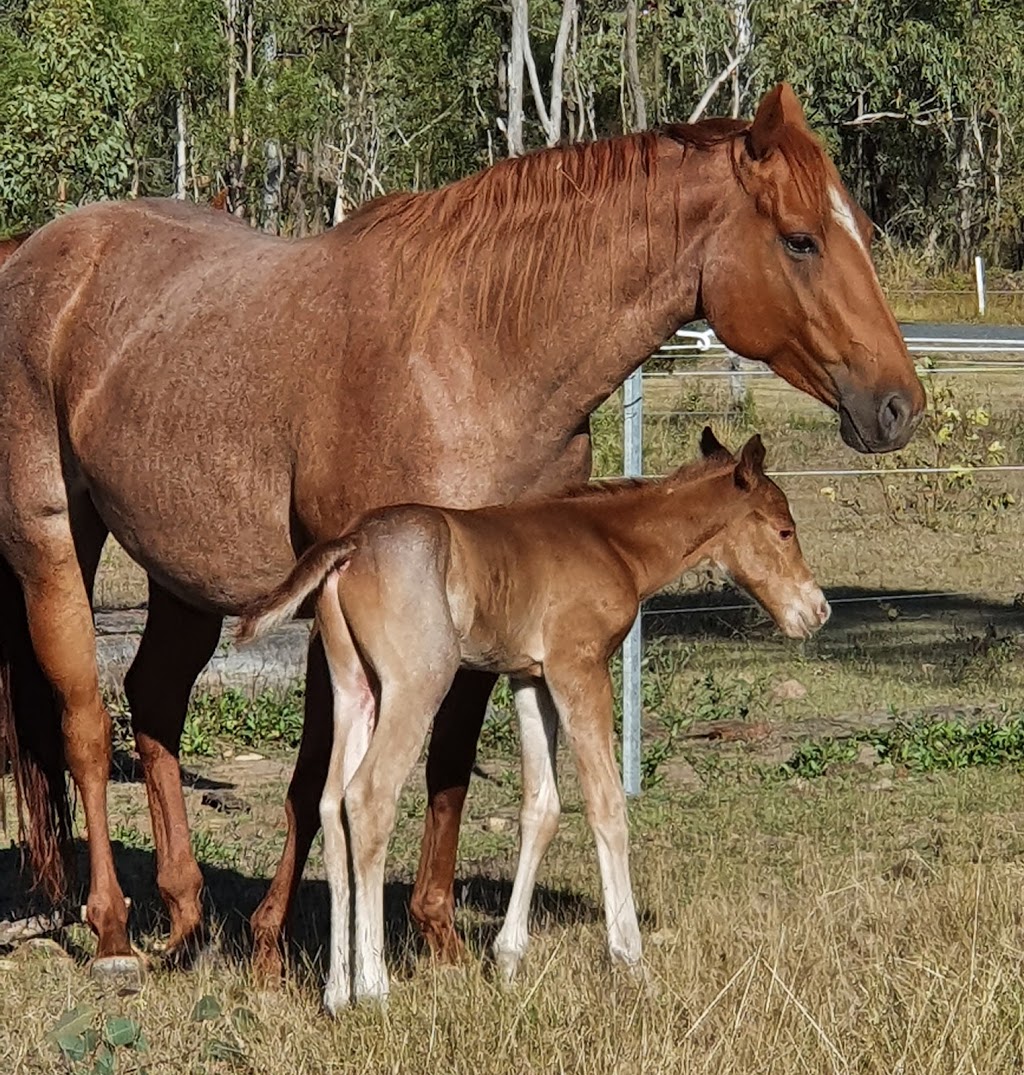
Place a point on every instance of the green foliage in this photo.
(90, 1044)
(925, 746)
(65, 94)
(921, 745)
(365, 96)
(272, 718)
(815, 759)
(954, 434)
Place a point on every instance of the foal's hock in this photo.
(543, 590)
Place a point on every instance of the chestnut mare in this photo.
(544, 590)
(218, 399)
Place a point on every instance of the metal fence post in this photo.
(632, 452)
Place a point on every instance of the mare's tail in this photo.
(309, 574)
(32, 744)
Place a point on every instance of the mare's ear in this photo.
(710, 445)
(750, 465)
(778, 108)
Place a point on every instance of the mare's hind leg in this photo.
(176, 644)
(450, 761)
(302, 813)
(54, 551)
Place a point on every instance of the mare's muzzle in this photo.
(872, 424)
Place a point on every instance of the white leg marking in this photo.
(353, 726)
(591, 738)
(538, 735)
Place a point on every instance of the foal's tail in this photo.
(32, 743)
(309, 574)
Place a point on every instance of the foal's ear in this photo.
(778, 108)
(710, 445)
(750, 465)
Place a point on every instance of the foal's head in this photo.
(787, 278)
(759, 547)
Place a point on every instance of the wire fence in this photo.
(692, 346)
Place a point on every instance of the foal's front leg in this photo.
(539, 813)
(583, 695)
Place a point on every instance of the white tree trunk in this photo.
(638, 110)
(180, 152)
(514, 122)
(739, 16)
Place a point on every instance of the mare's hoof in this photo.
(123, 974)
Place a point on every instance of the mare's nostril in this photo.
(894, 415)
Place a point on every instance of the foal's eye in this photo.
(801, 246)
(785, 534)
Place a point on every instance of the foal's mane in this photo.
(605, 488)
(518, 225)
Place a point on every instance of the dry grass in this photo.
(789, 927)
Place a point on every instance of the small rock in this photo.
(8, 964)
(885, 784)
(227, 802)
(248, 757)
(789, 690)
(497, 824)
(867, 758)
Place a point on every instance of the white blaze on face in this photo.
(842, 214)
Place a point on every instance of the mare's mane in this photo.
(512, 232)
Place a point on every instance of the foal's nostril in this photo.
(894, 414)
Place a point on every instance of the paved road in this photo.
(968, 334)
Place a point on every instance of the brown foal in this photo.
(545, 591)
(219, 400)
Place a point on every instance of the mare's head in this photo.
(788, 279)
(759, 547)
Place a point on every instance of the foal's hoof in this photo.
(122, 974)
(508, 963)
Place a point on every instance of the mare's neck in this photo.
(662, 529)
(559, 272)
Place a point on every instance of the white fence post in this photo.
(979, 279)
(633, 454)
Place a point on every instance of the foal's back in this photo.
(520, 572)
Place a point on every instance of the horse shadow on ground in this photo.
(230, 897)
(865, 622)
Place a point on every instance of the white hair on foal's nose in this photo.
(808, 611)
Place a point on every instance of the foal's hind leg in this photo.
(302, 813)
(450, 761)
(175, 646)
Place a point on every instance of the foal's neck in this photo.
(663, 528)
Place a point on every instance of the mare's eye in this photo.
(801, 246)
(785, 534)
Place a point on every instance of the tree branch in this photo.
(714, 87)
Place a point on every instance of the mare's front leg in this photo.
(302, 814)
(583, 695)
(176, 644)
(450, 759)
(539, 813)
